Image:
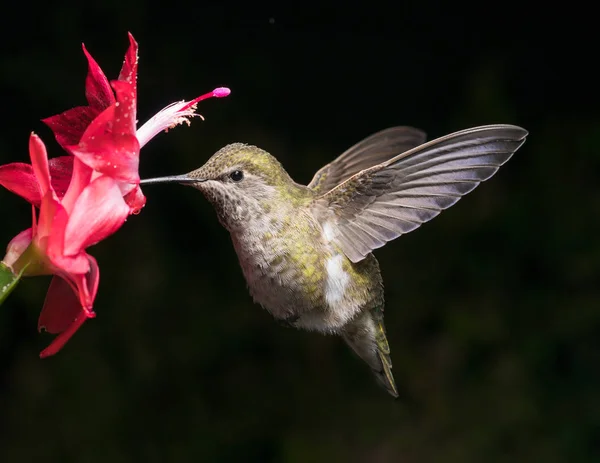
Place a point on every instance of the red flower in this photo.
(86, 197)
(91, 209)
(103, 134)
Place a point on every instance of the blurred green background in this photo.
(493, 308)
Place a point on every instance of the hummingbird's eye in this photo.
(236, 175)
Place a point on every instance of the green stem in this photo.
(8, 281)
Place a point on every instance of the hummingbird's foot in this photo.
(289, 322)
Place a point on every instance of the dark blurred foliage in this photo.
(492, 309)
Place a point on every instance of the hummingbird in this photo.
(306, 251)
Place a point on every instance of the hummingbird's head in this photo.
(242, 182)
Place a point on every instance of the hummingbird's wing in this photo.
(369, 152)
(395, 197)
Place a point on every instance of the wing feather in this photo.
(369, 152)
(384, 201)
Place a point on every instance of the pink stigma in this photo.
(221, 92)
(216, 93)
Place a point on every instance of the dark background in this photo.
(492, 309)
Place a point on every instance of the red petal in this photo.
(61, 171)
(99, 212)
(20, 179)
(67, 298)
(63, 337)
(97, 88)
(101, 126)
(61, 307)
(112, 153)
(116, 157)
(69, 126)
(135, 200)
(125, 111)
(129, 69)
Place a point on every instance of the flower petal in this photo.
(62, 338)
(135, 200)
(130, 64)
(61, 307)
(50, 210)
(69, 126)
(93, 278)
(17, 246)
(52, 242)
(125, 110)
(39, 161)
(116, 157)
(68, 303)
(87, 286)
(19, 178)
(97, 88)
(80, 178)
(112, 153)
(99, 212)
(61, 171)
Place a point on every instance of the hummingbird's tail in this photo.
(366, 336)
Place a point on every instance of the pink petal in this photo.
(129, 69)
(51, 240)
(61, 307)
(81, 177)
(20, 179)
(99, 212)
(61, 171)
(69, 126)
(39, 161)
(93, 278)
(97, 89)
(17, 246)
(87, 285)
(75, 264)
(135, 200)
(47, 225)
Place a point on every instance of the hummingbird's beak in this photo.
(172, 179)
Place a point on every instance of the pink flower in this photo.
(70, 220)
(103, 134)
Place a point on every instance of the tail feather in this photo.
(366, 336)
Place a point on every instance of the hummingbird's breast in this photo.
(297, 275)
